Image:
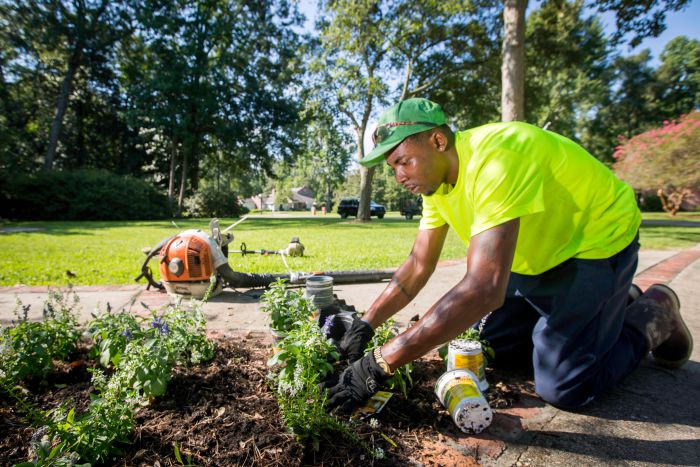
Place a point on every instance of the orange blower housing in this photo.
(186, 265)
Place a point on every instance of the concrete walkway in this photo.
(653, 418)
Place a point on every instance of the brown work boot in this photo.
(656, 314)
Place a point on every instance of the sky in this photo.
(680, 23)
(685, 22)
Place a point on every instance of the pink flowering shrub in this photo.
(665, 160)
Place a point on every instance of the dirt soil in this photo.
(223, 413)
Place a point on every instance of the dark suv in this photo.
(349, 207)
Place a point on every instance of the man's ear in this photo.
(438, 140)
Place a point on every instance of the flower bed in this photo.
(225, 412)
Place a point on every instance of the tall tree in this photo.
(679, 77)
(568, 59)
(61, 52)
(327, 154)
(636, 19)
(85, 28)
(432, 44)
(354, 41)
(625, 109)
(216, 76)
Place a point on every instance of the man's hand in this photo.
(356, 384)
(354, 342)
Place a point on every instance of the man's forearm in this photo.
(482, 290)
(450, 316)
(404, 286)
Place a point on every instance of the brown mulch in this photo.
(223, 413)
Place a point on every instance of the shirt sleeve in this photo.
(508, 185)
(430, 217)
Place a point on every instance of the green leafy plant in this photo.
(286, 307)
(187, 332)
(401, 380)
(28, 348)
(141, 352)
(304, 358)
(300, 365)
(111, 332)
(178, 335)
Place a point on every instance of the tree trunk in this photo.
(329, 196)
(513, 65)
(62, 104)
(183, 183)
(194, 169)
(363, 212)
(81, 155)
(171, 174)
(406, 79)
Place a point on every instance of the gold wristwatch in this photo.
(381, 362)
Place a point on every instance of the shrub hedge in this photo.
(84, 194)
(210, 201)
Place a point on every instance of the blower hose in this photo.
(245, 280)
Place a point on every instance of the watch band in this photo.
(381, 362)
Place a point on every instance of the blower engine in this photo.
(189, 259)
(187, 262)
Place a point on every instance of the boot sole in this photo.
(677, 311)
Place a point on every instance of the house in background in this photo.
(302, 200)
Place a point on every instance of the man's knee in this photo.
(565, 394)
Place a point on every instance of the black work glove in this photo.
(356, 384)
(354, 342)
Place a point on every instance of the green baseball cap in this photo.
(399, 121)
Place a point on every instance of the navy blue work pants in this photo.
(570, 321)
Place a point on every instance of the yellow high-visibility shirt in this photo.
(570, 205)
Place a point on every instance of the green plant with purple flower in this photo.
(186, 331)
(110, 333)
(142, 353)
(303, 357)
(28, 348)
(286, 307)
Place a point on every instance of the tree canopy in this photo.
(233, 98)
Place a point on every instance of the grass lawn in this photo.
(681, 216)
(109, 253)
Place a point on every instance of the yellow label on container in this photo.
(473, 363)
(459, 389)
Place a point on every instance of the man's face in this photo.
(417, 165)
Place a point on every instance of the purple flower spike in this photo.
(327, 325)
(157, 322)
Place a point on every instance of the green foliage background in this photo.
(81, 195)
